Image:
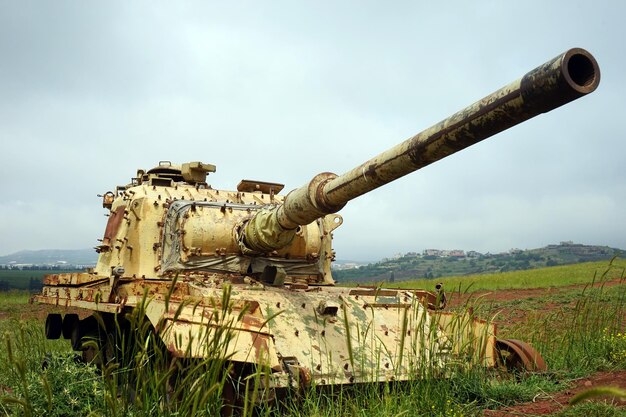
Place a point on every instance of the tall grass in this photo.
(589, 336)
(138, 376)
(29, 389)
(12, 302)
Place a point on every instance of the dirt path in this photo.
(525, 293)
(514, 310)
(549, 403)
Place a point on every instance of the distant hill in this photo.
(51, 257)
(437, 263)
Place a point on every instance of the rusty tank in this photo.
(173, 239)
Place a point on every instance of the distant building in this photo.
(347, 265)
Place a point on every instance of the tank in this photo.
(197, 259)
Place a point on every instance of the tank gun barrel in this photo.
(568, 76)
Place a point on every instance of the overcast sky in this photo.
(280, 91)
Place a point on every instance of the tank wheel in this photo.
(233, 393)
(95, 337)
(231, 396)
(76, 337)
(82, 331)
(243, 390)
(69, 322)
(230, 401)
(54, 326)
(516, 355)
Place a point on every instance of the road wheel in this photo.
(516, 355)
(69, 322)
(54, 326)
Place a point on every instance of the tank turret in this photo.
(187, 247)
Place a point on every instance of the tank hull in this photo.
(303, 336)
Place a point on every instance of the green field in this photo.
(414, 266)
(20, 278)
(555, 276)
(580, 333)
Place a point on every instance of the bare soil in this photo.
(546, 403)
(549, 403)
(544, 297)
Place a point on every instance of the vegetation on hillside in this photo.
(415, 266)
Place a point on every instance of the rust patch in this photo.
(371, 171)
(385, 305)
(521, 355)
(320, 196)
(252, 306)
(174, 351)
(113, 224)
(473, 127)
(260, 345)
(298, 287)
(52, 279)
(304, 376)
(251, 321)
(374, 293)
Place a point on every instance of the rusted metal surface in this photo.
(87, 305)
(71, 279)
(519, 355)
(113, 225)
(386, 305)
(374, 292)
(250, 269)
